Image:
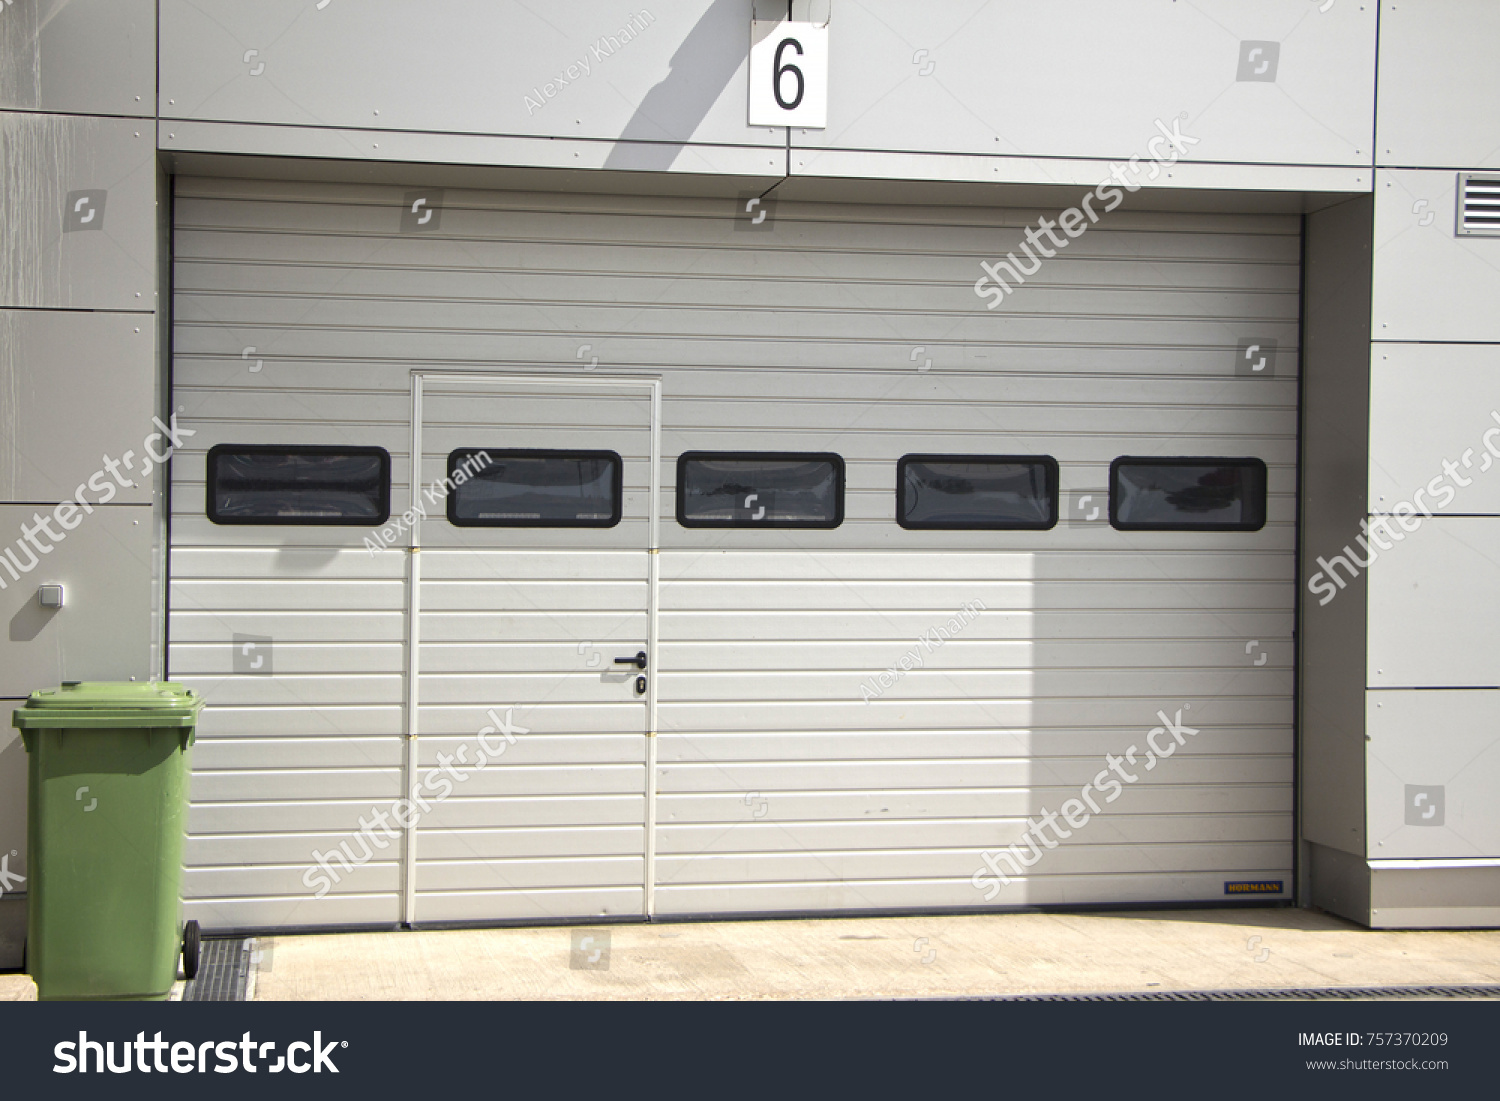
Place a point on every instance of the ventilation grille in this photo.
(1479, 205)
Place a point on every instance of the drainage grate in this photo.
(223, 972)
(1311, 994)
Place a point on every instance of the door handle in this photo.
(639, 661)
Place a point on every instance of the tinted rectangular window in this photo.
(258, 484)
(776, 489)
(1187, 494)
(996, 492)
(494, 488)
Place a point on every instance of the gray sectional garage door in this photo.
(835, 718)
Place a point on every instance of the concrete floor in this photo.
(869, 958)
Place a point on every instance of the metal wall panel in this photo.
(1431, 601)
(846, 328)
(906, 78)
(470, 67)
(1430, 283)
(77, 212)
(104, 630)
(12, 796)
(91, 57)
(728, 168)
(1434, 770)
(1437, 62)
(1435, 897)
(1432, 404)
(1335, 475)
(1185, 181)
(12, 840)
(50, 444)
(1096, 76)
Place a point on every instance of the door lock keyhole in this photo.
(640, 686)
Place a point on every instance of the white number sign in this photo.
(789, 74)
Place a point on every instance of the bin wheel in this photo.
(191, 943)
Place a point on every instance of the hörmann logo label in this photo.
(1254, 887)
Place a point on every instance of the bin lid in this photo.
(110, 704)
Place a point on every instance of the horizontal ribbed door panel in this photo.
(520, 626)
(784, 782)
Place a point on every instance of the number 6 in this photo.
(788, 68)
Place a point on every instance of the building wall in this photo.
(79, 358)
(916, 94)
(1021, 94)
(1433, 659)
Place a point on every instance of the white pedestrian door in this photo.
(533, 575)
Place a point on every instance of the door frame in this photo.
(650, 387)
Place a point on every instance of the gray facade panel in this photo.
(103, 631)
(1435, 898)
(12, 797)
(596, 71)
(1439, 84)
(1430, 284)
(50, 441)
(1434, 766)
(1014, 77)
(1335, 460)
(1431, 404)
(77, 213)
(82, 57)
(1432, 599)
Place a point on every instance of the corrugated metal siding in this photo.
(779, 788)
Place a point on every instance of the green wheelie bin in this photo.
(107, 818)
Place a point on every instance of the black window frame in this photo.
(1249, 463)
(617, 484)
(210, 480)
(1047, 462)
(835, 460)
